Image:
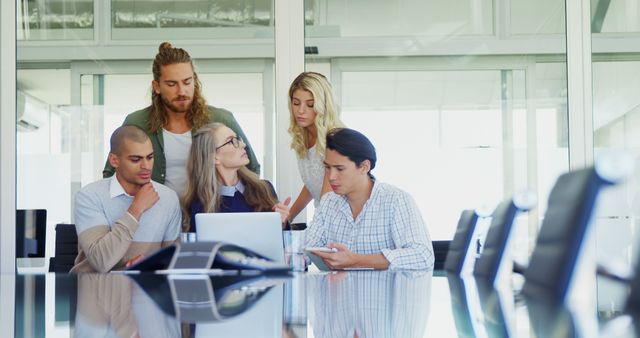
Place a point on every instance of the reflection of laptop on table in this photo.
(259, 308)
(215, 299)
(260, 232)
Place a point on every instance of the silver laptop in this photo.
(260, 232)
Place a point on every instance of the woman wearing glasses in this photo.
(313, 112)
(219, 180)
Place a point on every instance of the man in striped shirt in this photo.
(371, 224)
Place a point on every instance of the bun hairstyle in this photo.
(198, 114)
(168, 55)
(354, 145)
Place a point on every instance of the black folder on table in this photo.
(207, 256)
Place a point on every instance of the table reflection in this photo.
(496, 308)
(114, 306)
(461, 307)
(342, 304)
(148, 305)
(554, 320)
(480, 310)
(221, 306)
(369, 304)
(250, 308)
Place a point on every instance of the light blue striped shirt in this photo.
(389, 223)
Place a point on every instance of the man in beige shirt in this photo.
(127, 215)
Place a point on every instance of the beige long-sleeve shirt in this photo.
(108, 236)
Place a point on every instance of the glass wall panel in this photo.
(616, 126)
(75, 110)
(461, 128)
(55, 19)
(240, 93)
(341, 18)
(537, 17)
(455, 139)
(191, 19)
(42, 146)
(615, 16)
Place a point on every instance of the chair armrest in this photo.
(615, 271)
(519, 267)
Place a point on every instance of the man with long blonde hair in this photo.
(177, 108)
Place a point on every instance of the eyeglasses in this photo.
(235, 141)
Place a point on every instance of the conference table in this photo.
(301, 304)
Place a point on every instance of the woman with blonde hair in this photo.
(219, 180)
(313, 112)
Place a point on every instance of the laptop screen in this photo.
(260, 232)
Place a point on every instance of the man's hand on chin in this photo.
(145, 198)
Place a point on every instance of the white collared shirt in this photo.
(115, 188)
(230, 190)
(104, 202)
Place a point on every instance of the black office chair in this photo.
(66, 248)
(440, 250)
(559, 243)
(461, 243)
(493, 260)
(31, 232)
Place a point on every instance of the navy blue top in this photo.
(232, 201)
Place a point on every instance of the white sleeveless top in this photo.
(176, 151)
(311, 169)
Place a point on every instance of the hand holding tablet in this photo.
(319, 262)
(316, 259)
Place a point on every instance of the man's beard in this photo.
(174, 108)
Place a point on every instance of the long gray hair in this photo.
(203, 184)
